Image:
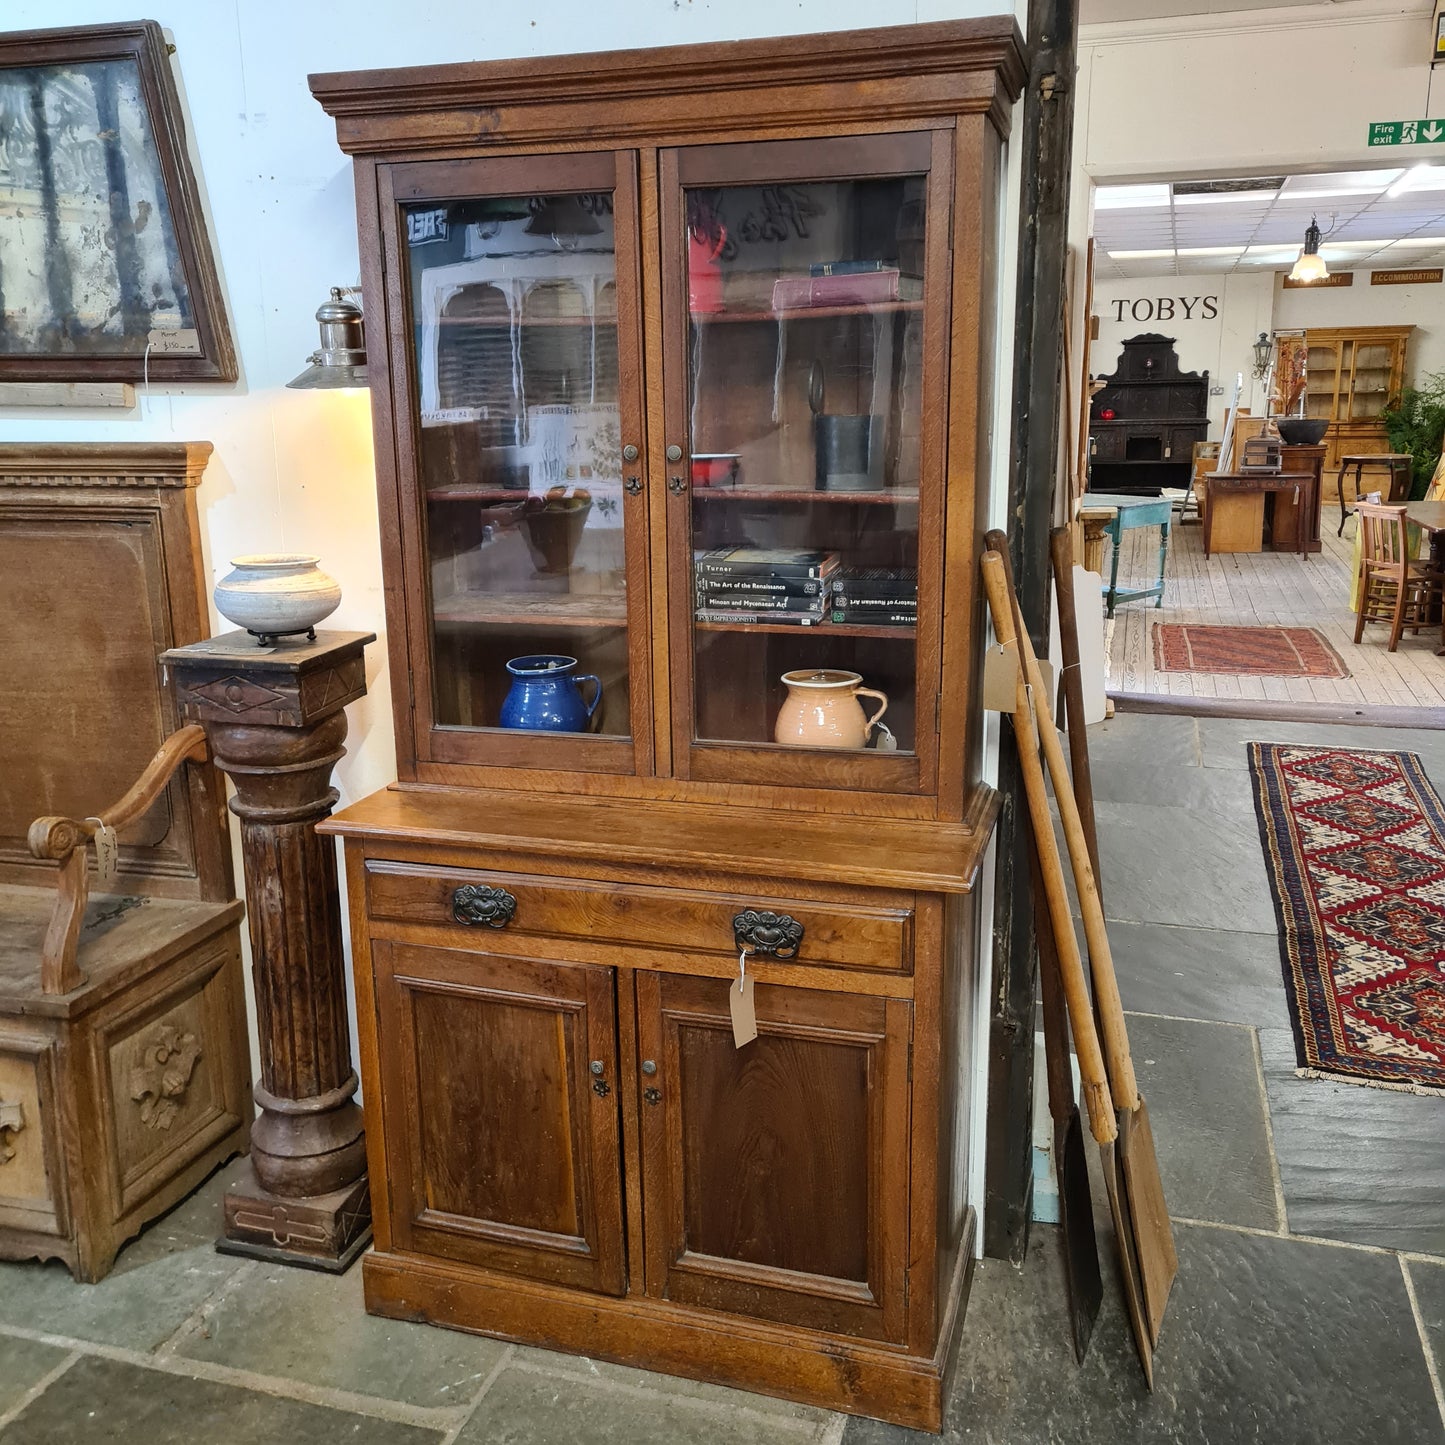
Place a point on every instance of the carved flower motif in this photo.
(159, 1082)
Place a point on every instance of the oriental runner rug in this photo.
(1354, 844)
(1245, 651)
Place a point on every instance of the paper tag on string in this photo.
(740, 1005)
(107, 853)
(1000, 678)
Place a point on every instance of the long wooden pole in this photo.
(1092, 1071)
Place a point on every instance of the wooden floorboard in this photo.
(1274, 589)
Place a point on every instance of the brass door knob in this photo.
(629, 453)
(674, 454)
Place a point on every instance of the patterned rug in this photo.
(1354, 843)
(1245, 651)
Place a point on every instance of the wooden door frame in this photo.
(405, 181)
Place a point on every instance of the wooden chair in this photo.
(1391, 588)
(124, 1062)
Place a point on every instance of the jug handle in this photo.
(597, 696)
(872, 692)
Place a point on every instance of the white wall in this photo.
(1361, 304)
(292, 471)
(1214, 321)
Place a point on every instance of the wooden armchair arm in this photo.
(65, 840)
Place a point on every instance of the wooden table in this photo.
(1429, 517)
(1233, 512)
(1397, 465)
(1113, 514)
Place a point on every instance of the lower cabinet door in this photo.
(500, 1098)
(775, 1176)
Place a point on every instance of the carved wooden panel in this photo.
(29, 1166)
(775, 1176)
(481, 1054)
(167, 1090)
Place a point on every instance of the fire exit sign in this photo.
(1406, 132)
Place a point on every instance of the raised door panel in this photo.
(514, 361)
(32, 1193)
(501, 1109)
(775, 1175)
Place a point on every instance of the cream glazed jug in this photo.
(822, 710)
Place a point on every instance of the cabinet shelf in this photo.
(822, 629)
(820, 313)
(902, 495)
(513, 494)
(604, 609)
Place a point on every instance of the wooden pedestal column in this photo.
(275, 721)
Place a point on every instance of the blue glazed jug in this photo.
(546, 695)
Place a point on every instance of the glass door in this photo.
(525, 541)
(805, 293)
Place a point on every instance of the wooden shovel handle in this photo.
(1061, 546)
(1071, 966)
(1101, 960)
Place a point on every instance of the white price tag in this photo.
(107, 853)
(740, 1005)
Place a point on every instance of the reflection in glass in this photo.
(515, 316)
(805, 416)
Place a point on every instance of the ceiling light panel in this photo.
(1115, 198)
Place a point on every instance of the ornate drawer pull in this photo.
(478, 903)
(773, 934)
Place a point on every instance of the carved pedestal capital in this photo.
(275, 722)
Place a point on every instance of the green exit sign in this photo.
(1406, 132)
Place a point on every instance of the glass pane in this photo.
(805, 398)
(515, 314)
(1371, 389)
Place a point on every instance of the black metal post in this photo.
(1046, 141)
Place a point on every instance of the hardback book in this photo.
(792, 619)
(848, 268)
(759, 583)
(875, 604)
(858, 288)
(858, 583)
(757, 601)
(875, 619)
(773, 562)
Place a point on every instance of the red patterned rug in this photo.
(1245, 651)
(1355, 848)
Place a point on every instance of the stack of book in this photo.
(763, 584)
(875, 596)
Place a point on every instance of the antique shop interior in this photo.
(722, 723)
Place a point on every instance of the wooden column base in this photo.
(321, 1231)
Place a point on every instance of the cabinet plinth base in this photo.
(322, 1231)
(654, 1334)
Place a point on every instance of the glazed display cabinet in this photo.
(1354, 373)
(665, 942)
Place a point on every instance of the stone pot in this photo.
(276, 594)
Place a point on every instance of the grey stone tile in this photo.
(603, 1372)
(141, 1303)
(1222, 741)
(1200, 973)
(1429, 1282)
(1140, 778)
(529, 1407)
(1361, 1164)
(23, 1364)
(302, 1325)
(1165, 739)
(1266, 1342)
(1202, 1085)
(1188, 867)
(99, 1399)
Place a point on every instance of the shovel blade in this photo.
(1153, 1238)
(1128, 1259)
(1081, 1248)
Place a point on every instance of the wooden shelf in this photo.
(811, 313)
(500, 324)
(520, 609)
(822, 629)
(903, 495)
(514, 494)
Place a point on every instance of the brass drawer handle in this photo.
(775, 935)
(479, 903)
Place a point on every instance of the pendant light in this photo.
(1311, 265)
(340, 361)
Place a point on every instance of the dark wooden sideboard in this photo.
(663, 345)
(1157, 413)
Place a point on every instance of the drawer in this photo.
(842, 935)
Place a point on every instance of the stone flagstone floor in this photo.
(1310, 1219)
